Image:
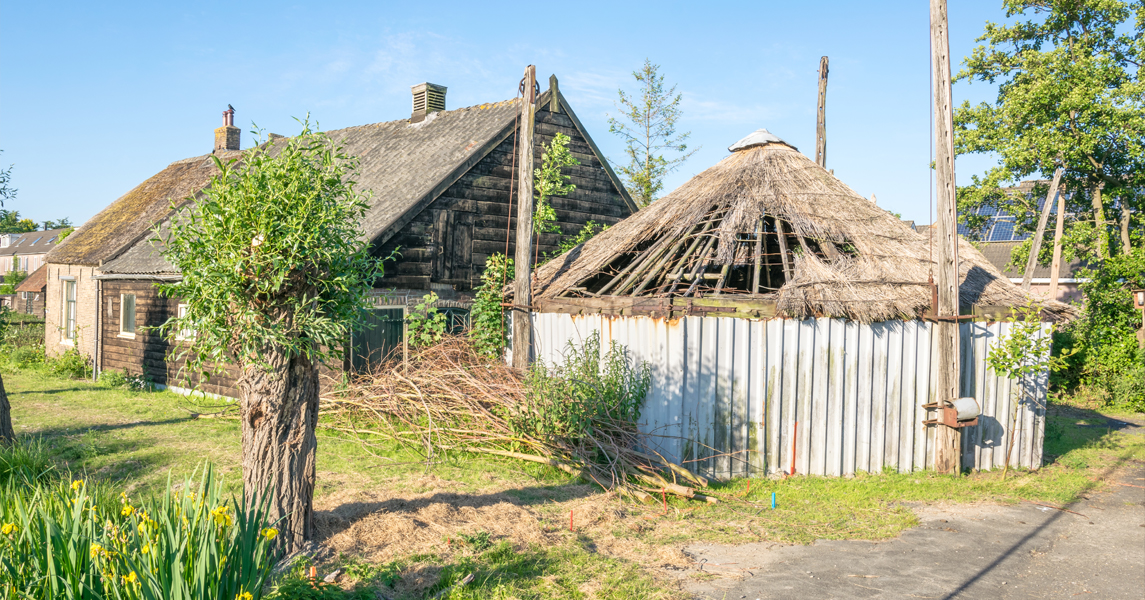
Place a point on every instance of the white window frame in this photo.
(69, 316)
(124, 333)
(183, 334)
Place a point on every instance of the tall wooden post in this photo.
(523, 285)
(947, 452)
(1036, 248)
(821, 121)
(1056, 264)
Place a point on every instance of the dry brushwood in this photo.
(447, 398)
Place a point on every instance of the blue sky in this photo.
(95, 97)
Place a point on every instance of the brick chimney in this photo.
(427, 98)
(227, 136)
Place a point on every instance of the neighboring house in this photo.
(24, 252)
(31, 292)
(440, 196)
(1001, 233)
(1069, 276)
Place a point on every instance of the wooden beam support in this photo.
(1056, 264)
(787, 274)
(523, 289)
(758, 256)
(1036, 248)
(821, 114)
(947, 442)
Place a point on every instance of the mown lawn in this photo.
(522, 530)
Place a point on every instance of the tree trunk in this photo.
(1126, 246)
(1099, 222)
(279, 413)
(7, 435)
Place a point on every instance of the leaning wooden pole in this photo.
(1032, 261)
(947, 441)
(1056, 264)
(523, 273)
(821, 120)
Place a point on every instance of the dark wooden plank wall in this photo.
(451, 239)
(20, 303)
(149, 353)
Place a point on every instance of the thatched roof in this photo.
(130, 218)
(403, 165)
(768, 225)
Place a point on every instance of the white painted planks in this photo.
(730, 392)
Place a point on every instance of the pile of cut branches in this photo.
(579, 417)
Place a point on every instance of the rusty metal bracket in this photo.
(948, 416)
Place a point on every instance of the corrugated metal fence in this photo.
(738, 397)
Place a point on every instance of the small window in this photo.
(127, 315)
(70, 310)
(186, 333)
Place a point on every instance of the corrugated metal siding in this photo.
(738, 397)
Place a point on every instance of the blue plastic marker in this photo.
(773, 501)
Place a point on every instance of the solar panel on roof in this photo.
(1003, 231)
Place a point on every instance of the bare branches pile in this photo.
(580, 417)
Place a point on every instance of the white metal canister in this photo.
(967, 408)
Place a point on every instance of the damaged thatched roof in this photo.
(768, 225)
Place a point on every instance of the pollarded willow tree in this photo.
(1070, 94)
(274, 271)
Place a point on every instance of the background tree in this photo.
(1069, 94)
(7, 434)
(648, 128)
(275, 272)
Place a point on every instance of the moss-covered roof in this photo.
(130, 218)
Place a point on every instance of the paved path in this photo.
(979, 551)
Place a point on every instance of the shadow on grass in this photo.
(1071, 428)
(55, 391)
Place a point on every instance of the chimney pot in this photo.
(227, 136)
(427, 98)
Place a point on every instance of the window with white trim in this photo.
(70, 310)
(185, 333)
(127, 315)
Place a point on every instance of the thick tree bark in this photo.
(7, 435)
(279, 413)
(1099, 222)
(1126, 246)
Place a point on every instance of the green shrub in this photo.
(75, 540)
(70, 364)
(567, 401)
(489, 320)
(425, 323)
(112, 378)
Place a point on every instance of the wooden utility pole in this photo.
(821, 122)
(523, 273)
(1056, 264)
(947, 451)
(1032, 261)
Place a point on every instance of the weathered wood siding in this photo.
(29, 303)
(743, 395)
(451, 239)
(148, 353)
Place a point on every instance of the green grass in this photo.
(133, 440)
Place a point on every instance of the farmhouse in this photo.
(785, 320)
(440, 184)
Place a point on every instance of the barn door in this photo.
(378, 337)
(453, 245)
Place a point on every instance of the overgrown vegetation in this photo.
(489, 322)
(425, 324)
(70, 538)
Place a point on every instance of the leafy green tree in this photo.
(648, 128)
(275, 272)
(549, 181)
(63, 223)
(10, 222)
(1069, 95)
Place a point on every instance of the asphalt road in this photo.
(976, 551)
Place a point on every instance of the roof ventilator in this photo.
(427, 98)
